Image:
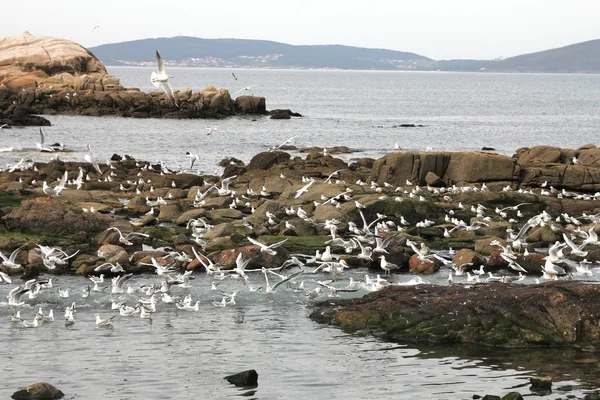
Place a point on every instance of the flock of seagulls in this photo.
(325, 271)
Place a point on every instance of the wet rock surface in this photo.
(550, 314)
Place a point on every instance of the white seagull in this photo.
(264, 248)
(162, 78)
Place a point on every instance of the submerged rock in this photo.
(38, 391)
(244, 378)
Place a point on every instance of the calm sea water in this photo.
(459, 111)
(185, 355)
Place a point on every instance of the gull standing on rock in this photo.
(162, 78)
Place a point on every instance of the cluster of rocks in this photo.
(529, 167)
(42, 75)
(266, 189)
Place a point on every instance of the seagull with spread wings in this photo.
(162, 78)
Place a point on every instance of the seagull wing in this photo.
(256, 242)
(275, 245)
(14, 254)
(292, 276)
(160, 65)
(63, 182)
(169, 91)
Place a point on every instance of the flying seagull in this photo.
(162, 78)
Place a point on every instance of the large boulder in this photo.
(251, 105)
(444, 167)
(27, 59)
(267, 159)
(46, 216)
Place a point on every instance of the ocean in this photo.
(185, 355)
(358, 109)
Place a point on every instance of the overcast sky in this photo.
(439, 29)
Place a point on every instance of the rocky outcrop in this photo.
(26, 60)
(556, 314)
(450, 167)
(529, 167)
(44, 216)
(43, 75)
(555, 167)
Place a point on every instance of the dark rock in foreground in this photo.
(550, 314)
(38, 391)
(245, 378)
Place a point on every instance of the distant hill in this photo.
(191, 51)
(576, 58)
(196, 52)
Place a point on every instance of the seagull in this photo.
(10, 261)
(33, 324)
(14, 296)
(114, 268)
(193, 158)
(303, 189)
(264, 248)
(103, 323)
(234, 77)
(42, 147)
(387, 266)
(288, 141)
(96, 26)
(126, 239)
(247, 88)
(5, 278)
(162, 78)
(271, 289)
(55, 191)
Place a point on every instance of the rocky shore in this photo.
(42, 75)
(215, 215)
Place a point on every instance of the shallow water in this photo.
(185, 354)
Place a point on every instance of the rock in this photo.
(541, 383)
(452, 314)
(111, 250)
(417, 266)
(195, 213)
(491, 397)
(266, 160)
(223, 229)
(46, 216)
(27, 59)
(512, 396)
(543, 235)
(432, 179)
(223, 214)
(464, 256)
(280, 114)
(38, 391)
(451, 167)
(538, 155)
(170, 212)
(247, 378)
(251, 105)
(484, 247)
